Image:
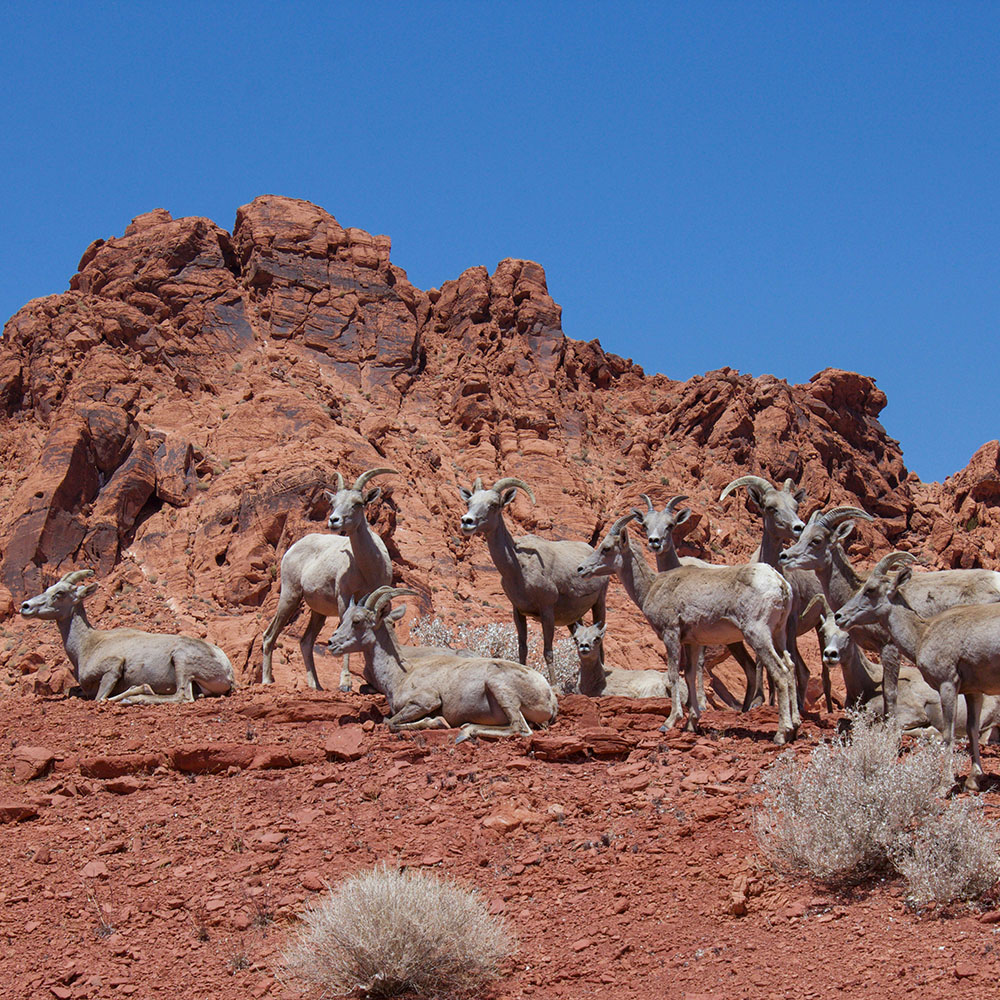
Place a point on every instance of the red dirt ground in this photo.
(143, 874)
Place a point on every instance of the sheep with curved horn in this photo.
(957, 651)
(538, 575)
(326, 571)
(697, 605)
(127, 664)
(485, 696)
(820, 549)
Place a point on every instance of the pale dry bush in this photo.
(384, 932)
(953, 856)
(499, 642)
(840, 814)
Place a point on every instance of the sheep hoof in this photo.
(462, 736)
(972, 783)
(345, 688)
(780, 738)
(366, 689)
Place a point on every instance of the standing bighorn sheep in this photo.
(486, 697)
(819, 549)
(326, 571)
(600, 681)
(957, 651)
(696, 605)
(126, 664)
(538, 576)
(918, 707)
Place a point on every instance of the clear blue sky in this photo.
(778, 187)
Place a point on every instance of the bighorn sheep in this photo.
(660, 523)
(918, 707)
(779, 510)
(600, 681)
(486, 697)
(538, 575)
(957, 651)
(696, 605)
(819, 549)
(326, 571)
(126, 664)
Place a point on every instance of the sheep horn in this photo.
(340, 482)
(502, 484)
(822, 601)
(478, 484)
(788, 485)
(761, 484)
(649, 503)
(837, 515)
(375, 595)
(362, 480)
(76, 575)
(387, 597)
(616, 528)
(674, 501)
(892, 559)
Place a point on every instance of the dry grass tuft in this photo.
(383, 933)
(859, 807)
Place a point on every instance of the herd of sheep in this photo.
(947, 623)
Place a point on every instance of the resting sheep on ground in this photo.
(126, 664)
(600, 681)
(485, 696)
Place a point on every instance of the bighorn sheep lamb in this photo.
(538, 575)
(659, 523)
(486, 697)
(696, 605)
(600, 681)
(126, 664)
(918, 707)
(326, 571)
(819, 548)
(957, 651)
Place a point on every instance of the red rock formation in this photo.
(173, 418)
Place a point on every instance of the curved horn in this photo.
(761, 484)
(502, 484)
(616, 528)
(838, 515)
(76, 575)
(362, 480)
(674, 501)
(340, 482)
(375, 595)
(649, 503)
(387, 597)
(478, 484)
(788, 485)
(823, 602)
(892, 559)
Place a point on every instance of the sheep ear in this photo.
(396, 614)
(372, 495)
(682, 515)
(85, 590)
(901, 577)
(573, 626)
(465, 493)
(755, 497)
(843, 531)
(639, 515)
(799, 494)
(600, 629)
(330, 496)
(508, 496)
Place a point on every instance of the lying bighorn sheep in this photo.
(660, 523)
(956, 651)
(819, 548)
(538, 575)
(600, 681)
(326, 571)
(918, 707)
(486, 697)
(696, 605)
(126, 664)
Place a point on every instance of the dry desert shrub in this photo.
(860, 807)
(383, 933)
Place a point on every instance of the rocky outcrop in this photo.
(173, 418)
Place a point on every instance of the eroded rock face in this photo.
(173, 419)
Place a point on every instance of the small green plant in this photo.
(384, 933)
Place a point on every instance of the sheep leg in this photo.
(700, 675)
(418, 715)
(692, 670)
(779, 669)
(505, 700)
(288, 604)
(144, 695)
(521, 625)
(948, 693)
(428, 722)
(111, 670)
(800, 668)
(890, 678)
(306, 644)
(754, 695)
(548, 635)
(973, 710)
(677, 699)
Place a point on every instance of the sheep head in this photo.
(486, 505)
(347, 506)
